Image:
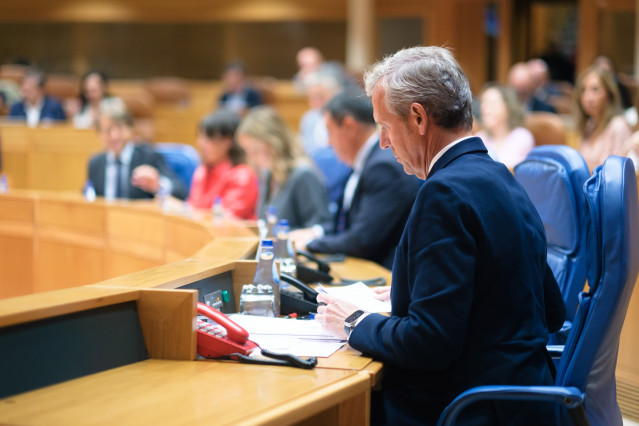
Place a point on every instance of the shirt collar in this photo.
(125, 155)
(444, 149)
(360, 157)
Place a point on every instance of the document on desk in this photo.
(360, 295)
(293, 336)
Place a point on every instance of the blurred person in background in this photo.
(288, 179)
(320, 88)
(36, 107)
(602, 130)
(521, 80)
(223, 172)
(93, 92)
(502, 120)
(124, 169)
(238, 95)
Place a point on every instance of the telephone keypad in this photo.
(213, 329)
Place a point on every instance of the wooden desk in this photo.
(170, 386)
(50, 241)
(187, 392)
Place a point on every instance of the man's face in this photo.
(340, 137)
(114, 135)
(30, 90)
(396, 135)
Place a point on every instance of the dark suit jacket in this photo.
(142, 154)
(51, 110)
(379, 210)
(471, 298)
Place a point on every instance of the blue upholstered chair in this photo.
(553, 177)
(585, 385)
(183, 159)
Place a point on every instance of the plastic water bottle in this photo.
(284, 250)
(162, 197)
(217, 211)
(89, 191)
(267, 228)
(271, 223)
(4, 184)
(262, 297)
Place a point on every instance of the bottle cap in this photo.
(267, 243)
(283, 222)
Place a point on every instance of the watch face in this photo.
(353, 317)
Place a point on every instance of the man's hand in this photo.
(146, 178)
(301, 237)
(332, 315)
(382, 293)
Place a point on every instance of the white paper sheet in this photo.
(292, 336)
(360, 295)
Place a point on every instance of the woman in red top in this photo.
(223, 172)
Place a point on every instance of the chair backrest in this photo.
(547, 128)
(590, 355)
(183, 159)
(553, 177)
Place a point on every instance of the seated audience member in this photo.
(472, 295)
(127, 170)
(378, 196)
(36, 107)
(93, 93)
(309, 60)
(625, 95)
(556, 94)
(502, 118)
(288, 180)
(521, 81)
(320, 88)
(223, 172)
(238, 95)
(602, 131)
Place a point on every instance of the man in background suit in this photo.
(473, 299)
(35, 106)
(378, 195)
(127, 170)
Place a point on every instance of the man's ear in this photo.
(417, 117)
(349, 123)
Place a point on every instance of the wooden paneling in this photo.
(64, 264)
(47, 158)
(16, 265)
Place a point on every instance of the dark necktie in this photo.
(119, 193)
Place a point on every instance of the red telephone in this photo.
(227, 338)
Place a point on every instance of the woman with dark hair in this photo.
(602, 131)
(502, 120)
(223, 172)
(93, 93)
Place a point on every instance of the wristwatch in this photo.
(351, 320)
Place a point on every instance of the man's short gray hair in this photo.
(429, 76)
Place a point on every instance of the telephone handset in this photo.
(227, 339)
(292, 304)
(224, 339)
(311, 275)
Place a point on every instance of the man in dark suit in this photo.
(378, 195)
(35, 106)
(473, 299)
(127, 170)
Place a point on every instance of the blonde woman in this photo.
(288, 180)
(603, 132)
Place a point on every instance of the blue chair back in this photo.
(553, 176)
(183, 159)
(590, 355)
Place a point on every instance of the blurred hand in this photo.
(301, 237)
(382, 293)
(332, 315)
(147, 178)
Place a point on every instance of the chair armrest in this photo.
(569, 397)
(555, 351)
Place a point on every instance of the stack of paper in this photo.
(292, 336)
